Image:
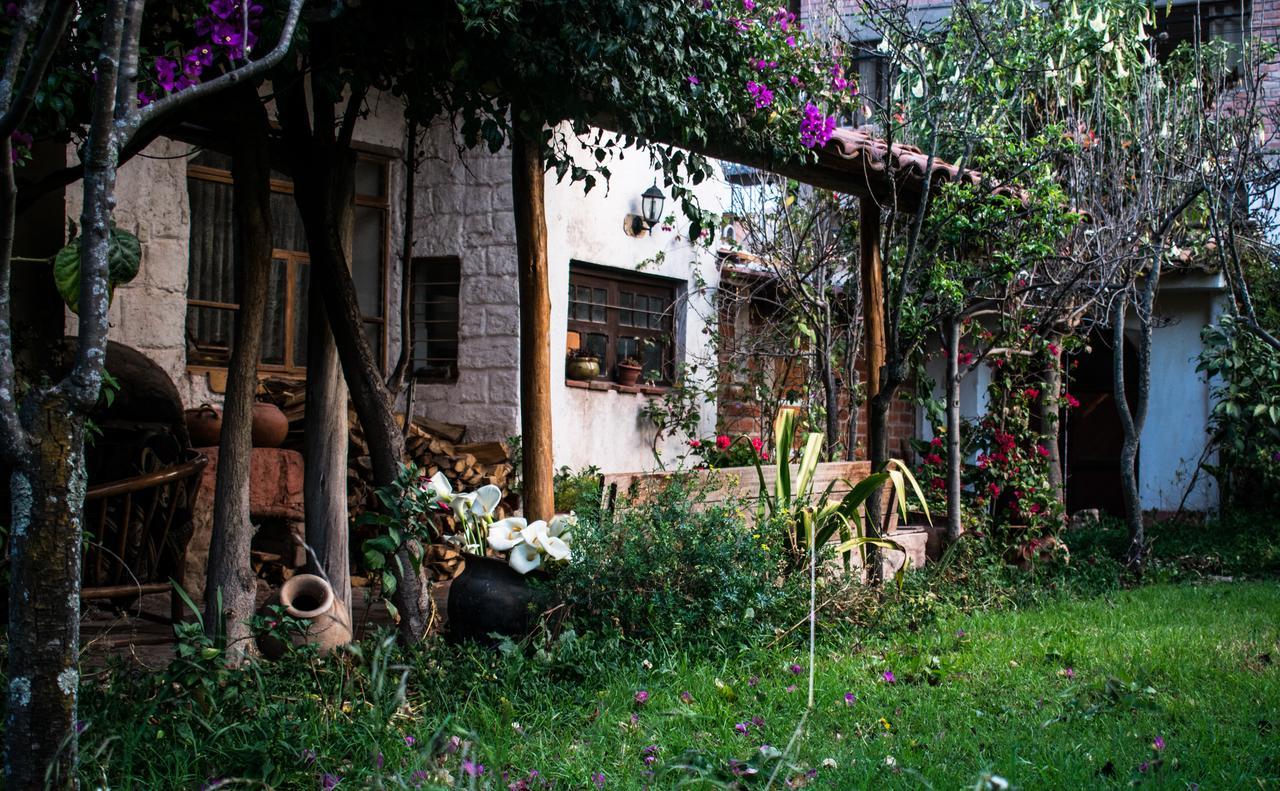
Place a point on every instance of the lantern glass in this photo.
(651, 201)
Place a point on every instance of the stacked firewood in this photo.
(434, 446)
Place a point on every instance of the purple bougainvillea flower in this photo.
(692, 79)
(472, 768)
(226, 34)
(223, 9)
(791, 41)
(202, 54)
(850, 698)
(642, 697)
(597, 779)
(167, 73)
(760, 93)
(750, 5)
(328, 781)
(816, 128)
(1158, 744)
(889, 677)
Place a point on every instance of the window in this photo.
(433, 311)
(617, 315)
(1194, 22)
(874, 74)
(212, 288)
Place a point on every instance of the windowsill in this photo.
(604, 385)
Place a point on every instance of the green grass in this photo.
(1193, 665)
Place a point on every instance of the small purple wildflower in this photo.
(757, 721)
(754, 681)
(796, 669)
(378, 761)
(597, 779)
(472, 768)
(309, 756)
(686, 697)
(850, 698)
(889, 677)
(453, 745)
(409, 741)
(1158, 744)
(791, 688)
(1143, 767)
(642, 697)
(1068, 673)
(741, 728)
(328, 781)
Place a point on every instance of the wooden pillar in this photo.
(872, 292)
(527, 175)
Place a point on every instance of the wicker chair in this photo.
(136, 534)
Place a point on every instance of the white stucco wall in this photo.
(606, 428)
(1176, 430)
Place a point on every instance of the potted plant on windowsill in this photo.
(582, 365)
(629, 370)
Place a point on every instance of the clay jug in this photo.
(311, 599)
(204, 426)
(270, 426)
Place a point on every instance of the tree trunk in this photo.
(535, 327)
(955, 520)
(1051, 419)
(47, 493)
(325, 484)
(1132, 418)
(231, 589)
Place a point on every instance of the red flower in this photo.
(936, 442)
(1031, 393)
(938, 483)
(695, 443)
(756, 443)
(1042, 450)
(722, 442)
(933, 458)
(994, 489)
(1071, 400)
(1053, 349)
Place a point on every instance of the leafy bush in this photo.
(1245, 422)
(577, 491)
(663, 569)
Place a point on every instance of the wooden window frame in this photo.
(613, 282)
(295, 258)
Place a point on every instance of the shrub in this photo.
(664, 569)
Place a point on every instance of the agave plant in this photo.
(813, 518)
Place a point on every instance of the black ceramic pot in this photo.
(489, 597)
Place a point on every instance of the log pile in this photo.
(434, 446)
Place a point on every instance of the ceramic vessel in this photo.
(309, 598)
(489, 597)
(204, 425)
(582, 368)
(628, 375)
(270, 426)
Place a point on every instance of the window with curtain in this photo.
(433, 311)
(212, 290)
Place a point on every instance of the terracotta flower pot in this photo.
(270, 426)
(489, 597)
(628, 375)
(204, 425)
(582, 368)
(311, 599)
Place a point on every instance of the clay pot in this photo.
(311, 599)
(628, 375)
(204, 425)
(582, 368)
(489, 597)
(270, 426)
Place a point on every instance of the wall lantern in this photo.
(651, 201)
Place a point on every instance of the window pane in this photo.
(599, 298)
(626, 317)
(652, 360)
(628, 347)
(273, 330)
(287, 232)
(212, 159)
(366, 259)
(209, 331)
(301, 288)
(434, 313)
(657, 312)
(599, 345)
(370, 179)
(212, 270)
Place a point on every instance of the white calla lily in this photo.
(556, 548)
(486, 499)
(525, 558)
(561, 524)
(536, 534)
(505, 535)
(442, 489)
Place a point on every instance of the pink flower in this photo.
(597, 779)
(760, 93)
(642, 697)
(994, 489)
(722, 442)
(1071, 400)
(1053, 349)
(756, 443)
(1158, 744)
(850, 698)
(741, 728)
(796, 669)
(936, 442)
(695, 443)
(1042, 450)
(472, 768)
(889, 677)
(692, 79)
(816, 127)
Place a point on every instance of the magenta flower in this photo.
(642, 697)
(741, 728)
(796, 669)
(815, 127)
(791, 688)
(1158, 744)
(223, 9)
(167, 73)
(409, 741)
(597, 779)
(760, 93)
(889, 677)
(850, 698)
(750, 5)
(791, 41)
(692, 79)
(1068, 672)
(472, 768)
(453, 745)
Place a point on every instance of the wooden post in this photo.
(527, 176)
(872, 292)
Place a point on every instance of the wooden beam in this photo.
(527, 173)
(872, 292)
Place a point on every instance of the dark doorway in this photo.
(1093, 435)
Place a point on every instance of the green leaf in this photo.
(124, 257)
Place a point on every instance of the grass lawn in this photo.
(1071, 695)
